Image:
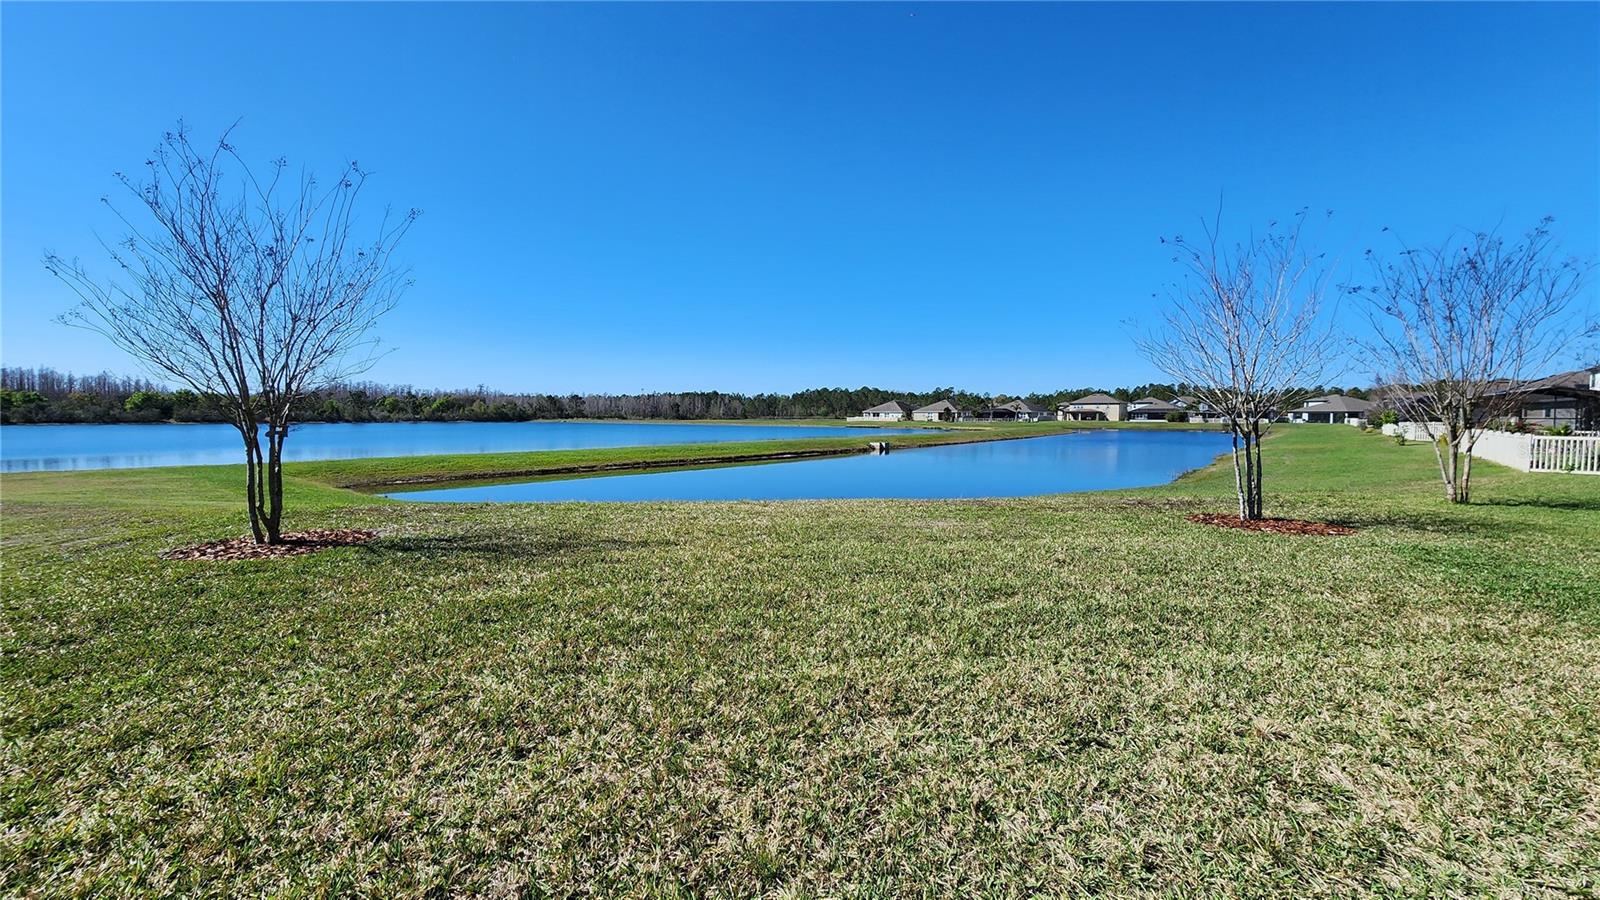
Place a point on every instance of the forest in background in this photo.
(44, 395)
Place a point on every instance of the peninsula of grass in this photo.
(382, 472)
(1055, 695)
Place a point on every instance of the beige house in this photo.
(1332, 408)
(942, 411)
(1152, 409)
(893, 411)
(1093, 408)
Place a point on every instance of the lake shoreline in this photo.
(733, 459)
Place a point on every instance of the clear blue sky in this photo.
(770, 197)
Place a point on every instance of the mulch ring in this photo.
(295, 543)
(1275, 526)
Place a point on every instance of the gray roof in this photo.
(1335, 403)
(938, 406)
(1020, 406)
(1153, 403)
(1094, 400)
(1186, 400)
(891, 406)
(1576, 380)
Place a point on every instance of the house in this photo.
(1020, 410)
(1093, 408)
(1565, 399)
(1198, 410)
(942, 411)
(1332, 408)
(1570, 398)
(1151, 409)
(893, 411)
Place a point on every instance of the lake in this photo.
(26, 448)
(1082, 461)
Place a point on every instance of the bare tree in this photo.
(1245, 329)
(1460, 329)
(249, 291)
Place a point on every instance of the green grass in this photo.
(1055, 695)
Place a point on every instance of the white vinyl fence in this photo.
(1540, 452)
(1413, 431)
(1578, 454)
(1548, 453)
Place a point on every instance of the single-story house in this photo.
(941, 411)
(893, 411)
(1020, 410)
(1570, 398)
(1093, 408)
(1332, 408)
(1151, 409)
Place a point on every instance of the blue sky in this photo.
(770, 197)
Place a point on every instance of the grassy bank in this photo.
(1058, 695)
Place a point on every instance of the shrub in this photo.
(147, 402)
(1559, 430)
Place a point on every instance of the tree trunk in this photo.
(1256, 504)
(1464, 472)
(1238, 478)
(274, 513)
(263, 484)
(1446, 457)
(252, 479)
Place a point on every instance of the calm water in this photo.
(1086, 461)
(32, 447)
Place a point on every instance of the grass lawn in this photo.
(1056, 695)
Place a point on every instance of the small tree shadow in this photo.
(1542, 503)
(1435, 523)
(492, 544)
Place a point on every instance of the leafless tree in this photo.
(1460, 329)
(249, 291)
(1245, 328)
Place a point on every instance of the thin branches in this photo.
(250, 291)
(1245, 326)
(1460, 329)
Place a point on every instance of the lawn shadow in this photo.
(1442, 522)
(1462, 520)
(495, 544)
(1592, 505)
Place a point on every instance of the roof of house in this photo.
(1021, 406)
(938, 406)
(1334, 403)
(1153, 403)
(892, 406)
(1186, 400)
(1094, 400)
(1576, 380)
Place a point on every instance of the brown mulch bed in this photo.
(1275, 526)
(295, 543)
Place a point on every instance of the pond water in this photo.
(1083, 461)
(51, 447)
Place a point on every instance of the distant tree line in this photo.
(40, 395)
